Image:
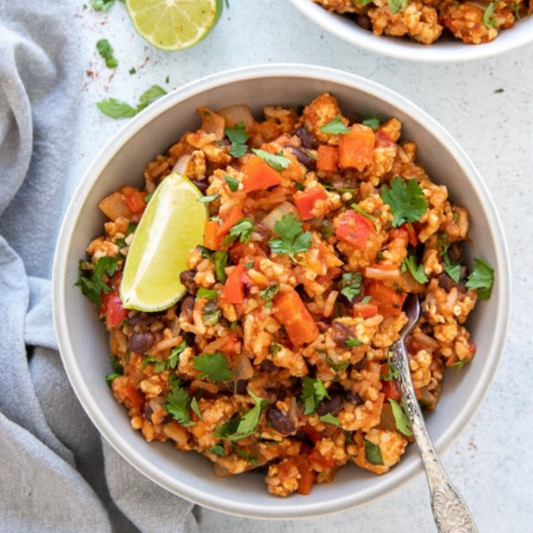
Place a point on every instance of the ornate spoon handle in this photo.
(449, 509)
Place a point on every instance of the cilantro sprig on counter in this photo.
(107, 53)
(115, 108)
(292, 239)
(406, 200)
(92, 281)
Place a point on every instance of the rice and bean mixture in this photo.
(278, 357)
(427, 21)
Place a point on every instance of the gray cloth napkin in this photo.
(56, 473)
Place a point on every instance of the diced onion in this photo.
(281, 210)
(382, 274)
(234, 114)
(212, 122)
(244, 369)
(425, 341)
(181, 164)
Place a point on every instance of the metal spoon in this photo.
(449, 509)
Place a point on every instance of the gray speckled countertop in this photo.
(488, 107)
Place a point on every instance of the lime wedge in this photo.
(174, 24)
(172, 224)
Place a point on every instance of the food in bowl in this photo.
(473, 22)
(274, 355)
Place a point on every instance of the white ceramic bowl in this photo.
(440, 52)
(83, 340)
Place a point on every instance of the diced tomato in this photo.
(316, 458)
(307, 476)
(354, 229)
(390, 388)
(327, 158)
(290, 311)
(389, 300)
(356, 149)
(365, 311)
(305, 201)
(259, 175)
(239, 250)
(135, 199)
(133, 398)
(115, 312)
(212, 239)
(413, 237)
(233, 291)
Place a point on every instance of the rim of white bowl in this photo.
(74, 373)
(440, 52)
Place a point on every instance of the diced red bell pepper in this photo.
(290, 311)
(305, 201)
(135, 199)
(356, 149)
(307, 475)
(365, 311)
(316, 458)
(390, 389)
(259, 175)
(354, 229)
(327, 158)
(133, 397)
(388, 299)
(232, 219)
(233, 291)
(413, 236)
(212, 240)
(114, 311)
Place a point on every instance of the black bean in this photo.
(445, 282)
(187, 280)
(143, 319)
(308, 140)
(187, 307)
(241, 386)
(364, 21)
(280, 422)
(267, 366)
(461, 287)
(202, 185)
(307, 161)
(454, 252)
(141, 341)
(353, 397)
(332, 406)
(341, 333)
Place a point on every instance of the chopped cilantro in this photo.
(102, 5)
(400, 418)
(326, 230)
(277, 162)
(397, 6)
(159, 365)
(462, 362)
(406, 200)
(335, 126)
(206, 252)
(373, 453)
(178, 405)
(293, 240)
(416, 270)
(373, 121)
(392, 371)
(174, 357)
(208, 294)
(211, 314)
(338, 367)
(117, 370)
(499, 91)
(452, 269)
(360, 210)
(207, 199)
(313, 392)
(351, 285)
(238, 137)
(249, 264)
(217, 449)
(92, 283)
(246, 455)
(148, 197)
(242, 231)
(366, 299)
(488, 20)
(132, 71)
(196, 408)
(149, 96)
(353, 342)
(214, 366)
(221, 259)
(330, 419)
(117, 109)
(275, 348)
(269, 293)
(106, 51)
(232, 182)
(481, 279)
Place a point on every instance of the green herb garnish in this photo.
(214, 366)
(416, 270)
(406, 200)
(336, 126)
(117, 109)
(293, 240)
(313, 392)
(106, 51)
(208, 294)
(400, 418)
(238, 137)
(330, 419)
(207, 199)
(178, 405)
(92, 283)
(277, 162)
(373, 453)
(481, 279)
(351, 285)
(221, 259)
(232, 182)
(373, 121)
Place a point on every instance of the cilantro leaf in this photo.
(488, 20)
(452, 269)
(221, 259)
(118, 370)
(159, 365)
(250, 420)
(207, 199)
(397, 6)
(481, 279)
(269, 293)
(313, 392)
(178, 405)
(174, 357)
(373, 453)
(330, 419)
(293, 240)
(335, 126)
(326, 230)
(406, 200)
(242, 231)
(196, 408)
(400, 418)
(338, 367)
(238, 137)
(116, 108)
(392, 371)
(214, 366)
(417, 271)
(106, 51)
(208, 294)
(277, 162)
(211, 314)
(102, 5)
(460, 363)
(353, 342)
(351, 285)
(373, 121)
(217, 449)
(360, 210)
(232, 182)
(92, 283)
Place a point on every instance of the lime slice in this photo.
(172, 224)
(174, 24)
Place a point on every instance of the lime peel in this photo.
(172, 224)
